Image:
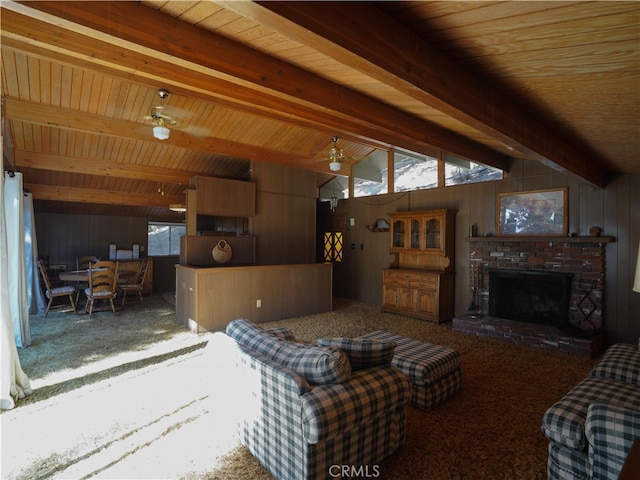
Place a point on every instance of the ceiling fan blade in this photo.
(198, 132)
(311, 161)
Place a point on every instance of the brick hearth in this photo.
(582, 256)
(539, 336)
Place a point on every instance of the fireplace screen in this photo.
(539, 297)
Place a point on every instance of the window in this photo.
(411, 171)
(164, 238)
(459, 171)
(370, 175)
(332, 246)
(414, 172)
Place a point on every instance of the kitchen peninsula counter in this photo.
(207, 299)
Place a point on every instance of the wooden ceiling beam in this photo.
(403, 60)
(116, 31)
(104, 168)
(108, 197)
(84, 122)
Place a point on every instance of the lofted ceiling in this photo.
(555, 82)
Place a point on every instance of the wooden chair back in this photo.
(82, 263)
(51, 292)
(103, 277)
(142, 273)
(138, 284)
(44, 274)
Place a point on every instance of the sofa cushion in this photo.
(363, 352)
(318, 365)
(620, 362)
(564, 421)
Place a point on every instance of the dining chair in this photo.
(103, 283)
(82, 263)
(138, 284)
(55, 292)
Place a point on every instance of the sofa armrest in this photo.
(620, 362)
(231, 359)
(610, 431)
(330, 410)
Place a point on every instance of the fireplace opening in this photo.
(532, 296)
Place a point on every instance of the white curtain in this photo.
(18, 293)
(14, 383)
(34, 291)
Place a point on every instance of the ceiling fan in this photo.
(160, 118)
(335, 156)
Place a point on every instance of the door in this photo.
(427, 303)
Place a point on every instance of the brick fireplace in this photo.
(583, 257)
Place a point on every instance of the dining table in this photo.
(79, 276)
(83, 275)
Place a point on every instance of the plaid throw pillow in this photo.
(318, 365)
(363, 352)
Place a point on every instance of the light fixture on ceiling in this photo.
(160, 118)
(335, 155)
(161, 132)
(178, 207)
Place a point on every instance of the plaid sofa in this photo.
(592, 428)
(305, 414)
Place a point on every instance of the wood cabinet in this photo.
(224, 197)
(426, 295)
(219, 209)
(420, 280)
(423, 239)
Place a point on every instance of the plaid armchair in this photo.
(305, 414)
(591, 429)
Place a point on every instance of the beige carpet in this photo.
(133, 396)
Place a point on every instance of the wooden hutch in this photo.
(420, 281)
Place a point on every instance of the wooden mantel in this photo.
(541, 238)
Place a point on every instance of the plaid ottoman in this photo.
(435, 371)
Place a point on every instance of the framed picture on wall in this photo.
(534, 212)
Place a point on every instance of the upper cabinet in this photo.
(423, 239)
(219, 209)
(224, 197)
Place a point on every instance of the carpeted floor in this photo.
(133, 396)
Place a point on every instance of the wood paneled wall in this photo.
(616, 209)
(65, 237)
(285, 221)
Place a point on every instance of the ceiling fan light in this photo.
(335, 166)
(161, 132)
(178, 207)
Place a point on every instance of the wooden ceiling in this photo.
(555, 82)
